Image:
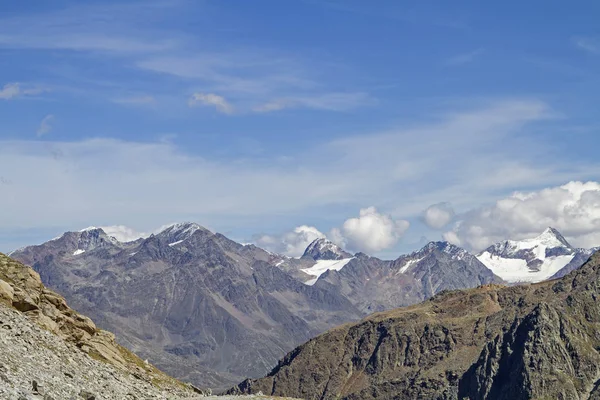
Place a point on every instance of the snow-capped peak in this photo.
(323, 249)
(551, 238)
(89, 228)
(91, 238)
(529, 260)
(177, 233)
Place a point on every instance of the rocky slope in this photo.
(533, 260)
(200, 306)
(50, 350)
(493, 342)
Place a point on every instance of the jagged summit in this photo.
(324, 249)
(532, 260)
(552, 238)
(455, 252)
(177, 233)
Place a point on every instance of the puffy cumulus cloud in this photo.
(573, 209)
(291, 243)
(370, 231)
(438, 215)
(211, 99)
(123, 233)
(452, 237)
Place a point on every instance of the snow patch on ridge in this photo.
(408, 264)
(78, 252)
(323, 266)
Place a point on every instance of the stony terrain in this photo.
(40, 331)
(539, 341)
(38, 364)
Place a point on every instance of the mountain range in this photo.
(494, 342)
(212, 311)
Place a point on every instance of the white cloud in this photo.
(398, 170)
(143, 100)
(211, 99)
(45, 125)
(587, 44)
(438, 215)
(370, 231)
(328, 101)
(123, 233)
(464, 58)
(573, 209)
(291, 243)
(83, 27)
(14, 90)
(452, 237)
(9, 91)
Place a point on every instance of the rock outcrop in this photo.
(24, 298)
(537, 341)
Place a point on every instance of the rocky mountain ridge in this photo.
(492, 342)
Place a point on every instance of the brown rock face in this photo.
(493, 342)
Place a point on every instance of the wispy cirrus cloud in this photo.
(464, 58)
(128, 36)
(142, 100)
(15, 90)
(85, 27)
(45, 125)
(397, 171)
(327, 101)
(211, 99)
(587, 44)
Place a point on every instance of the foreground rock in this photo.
(50, 350)
(493, 342)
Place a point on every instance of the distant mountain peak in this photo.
(324, 249)
(552, 238)
(530, 260)
(178, 232)
(453, 251)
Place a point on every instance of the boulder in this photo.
(7, 293)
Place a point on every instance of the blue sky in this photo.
(255, 118)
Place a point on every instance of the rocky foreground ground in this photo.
(37, 364)
(48, 351)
